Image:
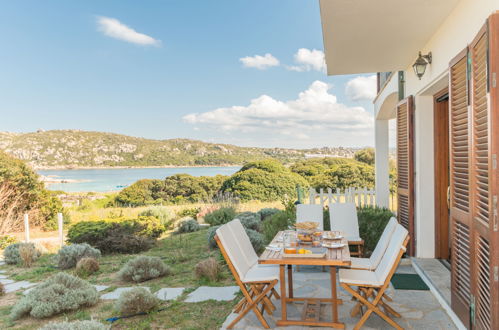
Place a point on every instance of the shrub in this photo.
(60, 293)
(210, 236)
(365, 155)
(76, 325)
(345, 176)
(189, 212)
(2, 289)
(12, 256)
(87, 266)
(264, 181)
(6, 241)
(143, 268)
(220, 216)
(164, 214)
(209, 268)
(188, 226)
(69, 255)
(118, 235)
(372, 222)
(279, 221)
(135, 301)
(250, 220)
(256, 239)
(139, 193)
(28, 254)
(267, 212)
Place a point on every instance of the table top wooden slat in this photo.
(334, 257)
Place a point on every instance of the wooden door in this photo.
(405, 168)
(474, 145)
(441, 148)
(460, 205)
(484, 187)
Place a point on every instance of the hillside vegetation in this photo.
(74, 148)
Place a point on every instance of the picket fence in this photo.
(359, 196)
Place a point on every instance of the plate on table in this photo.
(332, 236)
(334, 245)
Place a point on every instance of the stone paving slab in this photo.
(18, 285)
(100, 288)
(116, 293)
(6, 281)
(3, 276)
(225, 293)
(169, 293)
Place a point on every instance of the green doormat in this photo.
(408, 282)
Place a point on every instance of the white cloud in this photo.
(308, 60)
(113, 28)
(361, 88)
(259, 62)
(314, 114)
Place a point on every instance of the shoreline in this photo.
(58, 168)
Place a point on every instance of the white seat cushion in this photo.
(261, 273)
(354, 239)
(360, 277)
(343, 217)
(383, 243)
(310, 212)
(361, 263)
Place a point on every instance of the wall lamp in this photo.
(420, 65)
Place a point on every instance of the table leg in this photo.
(282, 280)
(334, 304)
(290, 281)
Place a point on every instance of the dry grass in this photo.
(28, 254)
(86, 266)
(209, 268)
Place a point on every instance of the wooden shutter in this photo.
(460, 205)
(405, 168)
(485, 137)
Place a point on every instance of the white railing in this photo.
(359, 196)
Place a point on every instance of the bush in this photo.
(279, 221)
(210, 236)
(250, 220)
(28, 254)
(2, 289)
(209, 268)
(188, 226)
(118, 235)
(135, 301)
(87, 266)
(139, 193)
(60, 293)
(365, 155)
(190, 212)
(164, 214)
(76, 325)
(256, 239)
(69, 255)
(267, 212)
(372, 222)
(345, 176)
(265, 181)
(6, 241)
(220, 216)
(143, 268)
(12, 256)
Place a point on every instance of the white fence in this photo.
(359, 196)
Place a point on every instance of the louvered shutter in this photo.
(460, 209)
(484, 119)
(405, 168)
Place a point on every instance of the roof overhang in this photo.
(362, 36)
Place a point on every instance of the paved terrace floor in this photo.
(419, 309)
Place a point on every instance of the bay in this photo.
(113, 179)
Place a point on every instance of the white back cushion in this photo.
(233, 249)
(243, 241)
(391, 253)
(383, 242)
(343, 217)
(310, 212)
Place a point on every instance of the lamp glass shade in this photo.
(419, 67)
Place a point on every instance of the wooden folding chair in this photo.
(343, 217)
(373, 284)
(256, 281)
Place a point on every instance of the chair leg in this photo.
(372, 307)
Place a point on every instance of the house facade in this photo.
(438, 77)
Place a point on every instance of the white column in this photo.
(26, 227)
(382, 182)
(60, 227)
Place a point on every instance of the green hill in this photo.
(74, 148)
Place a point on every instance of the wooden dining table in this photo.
(310, 316)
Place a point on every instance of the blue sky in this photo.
(168, 69)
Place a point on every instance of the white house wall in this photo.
(455, 33)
